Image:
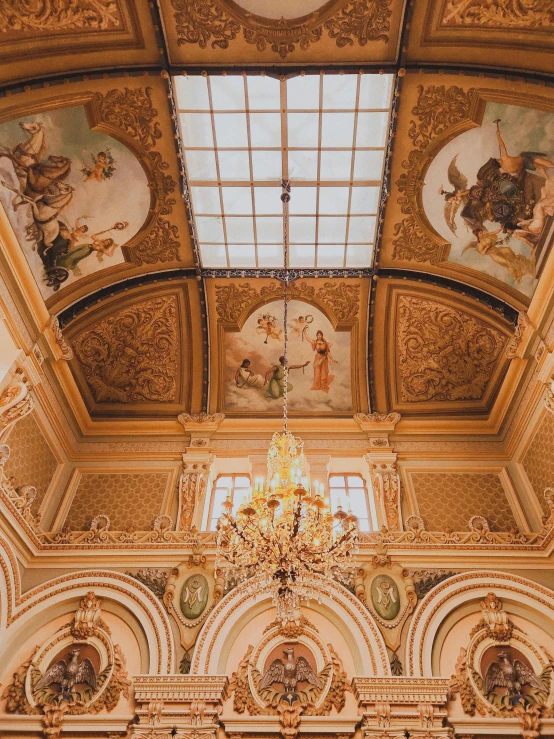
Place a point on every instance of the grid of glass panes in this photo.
(349, 492)
(326, 133)
(237, 486)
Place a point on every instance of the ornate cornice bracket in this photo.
(16, 402)
(200, 427)
(377, 426)
(58, 345)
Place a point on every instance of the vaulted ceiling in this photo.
(142, 148)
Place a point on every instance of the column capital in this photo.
(200, 427)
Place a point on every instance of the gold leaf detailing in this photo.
(514, 14)
(161, 244)
(231, 300)
(58, 15)
(216, 23)
(343, 298)
(360, 21)
(444, 354)
(131, 111)
(438, 108)
(198, 21)
(132, 356)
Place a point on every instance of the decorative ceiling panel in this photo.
(473, 183)
(435, 352)
(132, 354)
(497, 33)
(67, 161)
(46, 38)
(326, 134)
(327, 347)
(211, 32)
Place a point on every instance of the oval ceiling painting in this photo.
(288, 9)
(61, 185)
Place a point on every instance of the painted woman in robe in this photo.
(275, 379)
(322, 349)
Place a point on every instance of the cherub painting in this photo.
(255, 374)
(67, 226)
(499, 206)
(267, 327)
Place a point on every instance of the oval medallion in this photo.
(385, 597)
(194, 596)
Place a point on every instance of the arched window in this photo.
(350, 492)
(235, 486)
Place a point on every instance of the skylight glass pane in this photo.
(268, 200)
(375, 91)
(361, 229)
(227, 92)
(241, 255)
(303, 165)
(270, 255)
(269, 229)
(234, 165)
(265, 129)
(302, 255)
(239, 229)
(372, 129)
(333, 200)
(335, 165)
(332, 229)
(364, 200)
(368, 165)
(237, 200)
(230, 130)
(192, 92)
(304, 201)
(213, 255)
(302, 229)
(263, 93)
(303, 92)
(337, 130)
(201, 165)
(197, 130)
(267, 165)
(303, 130)
(329, 255)
(210, 228)
(359, 255)
(205, 200)
(339, 91)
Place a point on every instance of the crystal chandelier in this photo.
(285, 537)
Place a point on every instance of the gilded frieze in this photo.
(508, 14)
(18, 16)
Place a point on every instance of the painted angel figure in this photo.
(103, 166)
(297, 325)
(456, 198)
(267, 325)
(487, 245)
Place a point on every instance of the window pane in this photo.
(205, 200)
(213, 255)
(224, 481)
(230, 129)
(227, 92)
(364, 200)
(302, 255)
(337, 481)
(234, 165)
(303, 201)
(270, 255)
(332, 228)
(359, 255)
(269, 229)
(201, 165)
(303, 92)
(239, 229)
(372, 129)
(237, 200)
(335, 165)
(242, 255)
(302, 229)
(303, 165)
(375, 91)
(363, 524)
(329, 255)
(339, 91)
(242, 481)
(337, 130)
(197, 130)
(333, 200)
(355, 481)
(268, 200)
(265, 129)
(267, 165)
(368, 165)
(263, 93)
(361, 229)
(303, 130)
(210, 228)
(191, 92)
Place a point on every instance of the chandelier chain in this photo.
(285, 197)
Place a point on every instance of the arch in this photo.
(333, 601)
(453, 594)
(21, 614)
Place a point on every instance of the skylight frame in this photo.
(214, 245)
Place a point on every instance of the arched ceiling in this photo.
(141, 145)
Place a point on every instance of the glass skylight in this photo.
(243, 134)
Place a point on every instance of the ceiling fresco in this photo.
(140, 200)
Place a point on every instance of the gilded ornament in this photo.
(360, 22)
(194, 596)
(132, 355)
(21, 16)
(502, 14)
(444, 353)
(385, 597)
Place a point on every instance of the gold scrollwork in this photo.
(20, 16)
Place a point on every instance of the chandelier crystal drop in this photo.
(284, 537)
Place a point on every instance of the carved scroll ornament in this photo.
(508, 14)
(132, 356)
(444, 353)
(218, 22)
(21, 16)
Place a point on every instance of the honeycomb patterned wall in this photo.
(538, 462)
(129, 499)
(449, 500)
(31, 461)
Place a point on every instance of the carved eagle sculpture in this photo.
(68, 674)
(290, 673)
(513, 676)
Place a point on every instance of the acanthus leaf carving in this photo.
(506, 14)
(132, 355)
(232, 300)
(343, 298)
(201, 21)
(361, 22)
(20, 16)
(444, 353)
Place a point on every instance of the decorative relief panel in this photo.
(450, 500)
(17, 17)
(132, 356)
(538, 461)
(31, 461)
(444, 353)
(510, 14)
(127, 500)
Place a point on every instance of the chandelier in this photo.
(285, 537)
